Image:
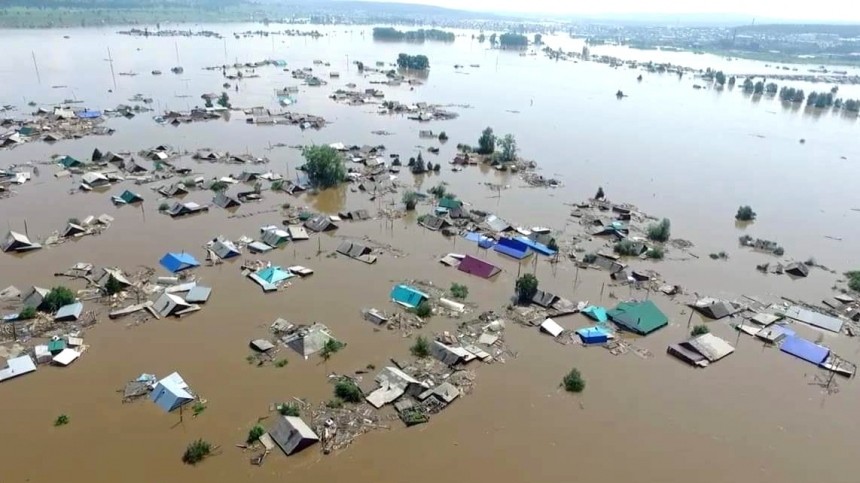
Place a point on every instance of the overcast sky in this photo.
(838, 10)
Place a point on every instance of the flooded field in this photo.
(689, 155)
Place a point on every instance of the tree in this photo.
(749, 86)
(459, 291)
(331, 347)
(508, 148)
(112, 286)
(600, 195)
(745, 213)
(289, 409)
(655, 253)
(493, 39)
(812, 98)
(771, 88)
(196, 452)
(758, 88)
(219, 186)
(410, 199)
(421, 347)
(482, 37)
(58, 297)
(487, 142)
(347, 390)
(27, 313)
(538, 39)
(732, 81)
(424, 310)
(324, 166)
(700, 330)
(659, 231)
(552, 245)
(527, 287)
(61, 420)
(208, 103)
(720, 78)
(254, 434)
(224, 100)
(414, 62)
(509, 39)
(443, 136)
(573, 381)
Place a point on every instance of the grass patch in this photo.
(288, 409)
(281, 363)
(334, 403)
(198, 408)
(660, 231)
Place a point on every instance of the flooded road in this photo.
(692, 156)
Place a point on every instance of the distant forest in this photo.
(388, 33)
(120, 4)
(844, 31)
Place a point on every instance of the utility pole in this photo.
(38, 77)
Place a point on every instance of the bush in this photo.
(573, 381)
(439, 191)
(198, 408)
(527, 287)
(324, 166)
(487, 142)
(745, 213)
(61, 420)
(277, 185)
(443, 136)
(421, 347)
(459, 291)
(219, 186)
(348, 391)
(254, 434)
(627, 248)
(334, 403)
(331, 347)
(660, 231)
(423, 310)
(58, 297)
(288, 409)
(655, 253)
(281, 363)
(27, 313)
(853, 280)
(164, 206)
(779, 251)
(196, 452)
(410, 199)
(589, 258)
(112, 286)
(700, 330)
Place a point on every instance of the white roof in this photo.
(552, 327)
(92, 177)
(297, 232)
(66, 357)
(711, 346)
(17, 367)
(814, 319)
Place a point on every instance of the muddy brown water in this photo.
(754, 416)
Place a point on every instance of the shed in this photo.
(433, 222)
(764, 319)
(69, 312)
(814, 319)
(130, 197)
(711, 347)
(713, 308)
(357, 251)
(17, 242)
(224, 201)
(544, 299)
(17, 366)
(309, 340)
(407, 296)
(176, 262)
(804, 349)
(797, 269)
(320, 223)
(477, 267)
(169, 304)
(639, 317)
(171, 392)
(297, 233)
(593, 335)
(687, 354)
(262, 345)
(259, 247)
(551, 327)
(184, 209)
(225, 248)
(198, 295)
(94, 179)
(512, 248)
(495, 224)
(292, 435)
(174, 190)
(275, 237)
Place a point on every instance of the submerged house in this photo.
(177, 262)
(171, 392)
(69, 312)
(320, 223)
(407, 296)
(512, 248)
(225, 248)
(357, 251)
(129, 197)
(434, 223)
(71, 230)
(275, 237)
(17, 366)
(309, 340)
(94, 180)
(270, 278)
(184, 209)
(292, 435)
(713, 308)
(175, 190)
(17, 242)
(394, 383)
(168, 305)
(224, 201)
(297, 233)
(477, 267)
(639, 317)
(35, 297)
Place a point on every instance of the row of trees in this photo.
(389, 33)
(415, 62)
(509, 39)
(502, 150)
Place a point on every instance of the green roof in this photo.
(56, 345)
(450, 203)
(639, 317)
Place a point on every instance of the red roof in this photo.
(478, 267)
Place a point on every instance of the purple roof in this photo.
(474, 266)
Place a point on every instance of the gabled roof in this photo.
(512, 248)
(225, 201)
(496, 224)
(407, 296)
(69, 312)
(639, 317)
(804, 349)
(711, 346)
(225, 248)
(17, 242)
(292, 434)
(357, 251)
(544, 299)
(177, 262)
(480, 268)
(713, 308)
(433, 222)
(814, 319)
(320, 223)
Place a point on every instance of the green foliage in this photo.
(493, 39)
(779, 251)
(655, 253)
(758, 89)
(281, 363)
(254, 434)
(720, 77)
(459, 291)
(748, 85)
(164, 206)
(443, 136)
(414, 62)
(208, 103)
(853, 280)
(439, 190)
(700, 330)
(421, 347)
(61, 420)
(627, 248)
(331, 347)
(790, 94)
(219, 186)
(334, 403)
(538, 39)
(112, 286)
(771, 88)
(719, 256)
(573, 381)
(196, 452)
(27, 313)
(347, 390)
(58, 297)
(224, 100)
(487, 142)
(277, 185)
(552, 245)
(289, 409)
(198, 408)
(410, 199)
(513, 40)
(660, 231)
(423, 310)
(388, 33)
(324, 166)
(527, 287)
(507, 148)
(745, 213)
(589, 258)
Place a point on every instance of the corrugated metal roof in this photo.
(814, 319)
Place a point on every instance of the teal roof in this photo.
(407, 296)
(130, 197)
(450, 203)
(274, 274)
(70, 162)
(639, 317)
(596, 313)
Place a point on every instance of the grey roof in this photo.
(433, 222)
(713, 308)
(16, 242)
(69, 312)
(797, 269)
(225, 201)
(259, 247)
(275, 237)
(262, 345)
(496, 224)
(814, 319)
(544, 299)
(445, 392)
(450, 355)
(320, 223)
(711, 346)
(297, 232)
(198, 295)
(292, 434)
(225, 248)
(309, 340)
(356, 251)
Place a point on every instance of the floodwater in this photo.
(690, 155)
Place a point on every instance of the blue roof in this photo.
(171, 392)
(71, 311)
(88, 114)
(538, 247)
(177, 262)
(512, 248)
(407, 296)
(593, 335)
(804, 349)
(274, 274)
(596, 313)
